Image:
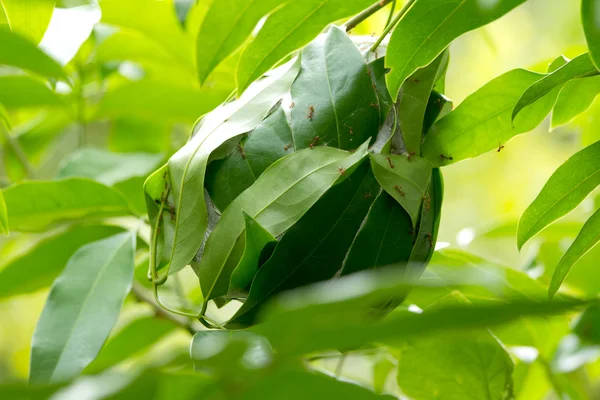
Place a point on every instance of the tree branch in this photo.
(358, 18)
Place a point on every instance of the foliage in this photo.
(242, 199)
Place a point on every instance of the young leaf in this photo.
(566, 188)
(37, 268)
(590, 10)
(35, 205)
(277, 200)
(82, 307)
(453, 365)
(575, 98)
(579, 67)
(404, 179)
(314, 248)
(106, 167)
(256, 240)
(17, 51)
(335, 101)
(290, 27)
(29, 18)
(187, 167)
(18, 91)
(3, 215)
(428, 28)
(587, 238)
(482, 122)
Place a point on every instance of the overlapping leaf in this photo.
(575, 98)
(29, 18)
(19, 91)
(591, 27)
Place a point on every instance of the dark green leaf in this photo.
(314, 248)
(256, 240)
(334, 98)
(587, 238)
(30, 18)
(19, 91)
(566, 188)
(428, 28)
(3, 215)
(37, 268)
(587, 326)
(575, 98)
(482, 122)
(106, 167)
(82, 307)
(591, 27)
(580, 67)
(277, 200)
(290, 27)
(405, 179)
(35, 205)
(19, 52)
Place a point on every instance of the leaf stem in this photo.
(358, 18)
(18, 150)
(389, 20)
(391, 26)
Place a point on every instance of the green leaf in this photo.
(227, 178)
(36, 205)
(290, 27)
(454, 365)
(38, 268)
(482, 122)
(19, 91)
(314, 248)
(591, 26)
(133, 339)
(277, 200)
(187, 167)
(257, 238)
(19, 52)
(106, 167)
(225, 28)
(428, 28)
(587, 326)
(579, 67)
(413, 100)
(575, 97)
(140, 135)
(382, 368)
(82, 307)
(334, 98)
(566, 188)
(404, 179)
(587, 238)
(29, 18)
(3, 215)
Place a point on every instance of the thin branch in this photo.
(391, 26)
(391, 15)
(358, 18)
(18, 150)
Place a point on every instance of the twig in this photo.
(391, 26)
(358, 18)
(19, 152)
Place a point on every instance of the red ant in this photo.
(392, 166)
(445, 157)
(314, 142)
(287, 147)
(411, 155)
(241, 150)
(311, 111)
(367, 195)
(350, 129)
(426, 202)
(500, 148)
(399, 190)
(374, 105)
(429, 238)
(341, 170)
(292, 105)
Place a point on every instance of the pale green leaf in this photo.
(82, 307)
(20, 91)
(566, 188)
(428, 28)
(575, 97)
(36, 205)
(28, 17)
(590, 19)
(3, 215)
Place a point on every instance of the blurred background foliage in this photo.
(135, 90)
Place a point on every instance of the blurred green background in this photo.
(484, 197)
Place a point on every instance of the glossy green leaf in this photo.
(314, 248)
(38, 268)
(428, 28)
(334, 99)
(579, 67)
(3, 215)
(256, 240)
(590, 11)
(290, 27)
(18, 91)
(29, 18)
(17, 51)
(566, 188)
(454, 365)
(227, 178)
(575, 98)
(225, 27)
(187, 167)
(482, 122)
(277, 200)
(587, 238)
(82, 307)
(404, 179)
(413, 100)
(133, 339)
(106, 167)
(36, 205)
